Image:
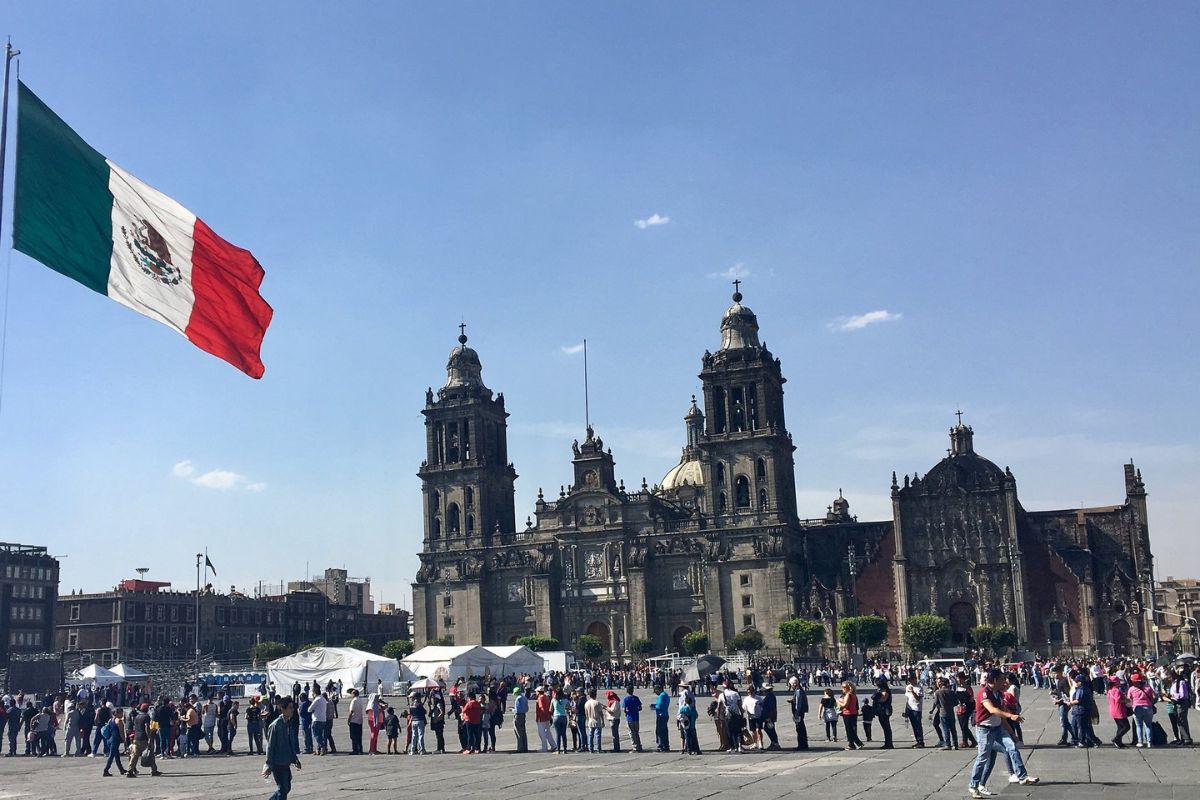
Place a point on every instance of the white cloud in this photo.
(572, 349)
(651, 221)
(222, 480)
(734, 273)
(860, 321)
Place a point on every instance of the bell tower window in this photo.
(737, 407)
(470, 523)
(720, 474)
(760, 469)
(439, 444)
(436, 533)
(752, 405)
(722, 505)
(762, 498)
(466, 439)
(469, 497)
(718, 410)
(452, 443)
(452, 518)
(742, 492)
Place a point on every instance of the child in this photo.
(829, 714)
(867, 714)
(407, 723)
(392, 724)
(683, 719)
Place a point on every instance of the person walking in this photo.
(520, 711)
(281, 751)
(141, 743)
(632, 706)
(944, 702)
(881, 702)
(914, 698)
(354, 721)
(994, 736)
(799, 704)
(848, 710)
(1118, 709)
(113, 733)
(1060, 694)
(964, 710)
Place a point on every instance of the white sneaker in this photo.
(986, 792)
(1029, 780)
(1013, 779)
(973, 792)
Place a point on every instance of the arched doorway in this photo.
(1120, 637)
(601, 632)
(962, 619)
(677, 637)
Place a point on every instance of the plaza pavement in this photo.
(826, 771)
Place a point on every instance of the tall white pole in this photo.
(9, 55)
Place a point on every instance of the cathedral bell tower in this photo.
(751, 475)
(466, 479)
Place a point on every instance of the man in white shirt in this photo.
(320, 716)
(914, 696)
(354, 720)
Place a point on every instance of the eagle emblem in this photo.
(150, 252)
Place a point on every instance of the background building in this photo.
(28, 589)
(1177, 601)
(719, 545)
(340, 588)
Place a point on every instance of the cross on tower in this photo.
(737, 285)
(959, 415)
(462, 329)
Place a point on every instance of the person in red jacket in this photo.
(542, 717)
(473, 714)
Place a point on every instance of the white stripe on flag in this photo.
(141, 275)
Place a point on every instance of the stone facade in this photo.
(719, 545)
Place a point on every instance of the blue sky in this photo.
(1016, 185)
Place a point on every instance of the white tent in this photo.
(518, 659)
(95, 674)
(128, 673)
(354, 668)
(451, 663)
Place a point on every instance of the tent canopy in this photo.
(464, 661)
(452, 663)
(354, 668)
(518, 659)
(96, 674)
(129, 673)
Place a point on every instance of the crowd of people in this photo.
(974, 705)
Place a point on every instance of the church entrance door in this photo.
(677, 638)
(601, 632)
(1120, 637)
(962, 619)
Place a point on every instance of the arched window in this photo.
(452, 518)
(435, 501)
(437, 528)
(719, 412)
(466, 439)
(762, 498)
(452, 443)
(760, 469)
(720, 474)
(439, 443)
(469, 497)
(470, 523)
(722, 506)
(742, 492)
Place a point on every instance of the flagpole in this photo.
(9, 55)
(197, 683)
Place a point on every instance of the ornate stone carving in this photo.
(593, 565)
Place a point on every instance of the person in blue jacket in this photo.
(662, 712)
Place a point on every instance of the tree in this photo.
(268, 651)
(925, 633)
(695, 643)
(994, 638)
(309, 647)
(642, 647)
(801, 634)
(589, 646)
(441, 641)
(539, 644)
(358, 644)
(748, 641)
(398, 648)
(862, 632)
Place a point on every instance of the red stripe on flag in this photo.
(230, 317)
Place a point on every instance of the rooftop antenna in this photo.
(587, 411)
(141, 571)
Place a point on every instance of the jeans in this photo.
(1143, 717)
(95, 745)
(616, 735)
(949, 731)
(308, 738)
(318, 732)
(992, 741)
(164, 741)
(661, 741)
(964, 730)
(593, 738)
(802, 732)
(850, 723)
(418, 737)
(1064, 719)
(635, 735)
(519, 731)
(355, 738)
(194, 735)
(474, 736)
(254, 734)
(560, 734)
(914, 719)
(114, 754)
(283, 782)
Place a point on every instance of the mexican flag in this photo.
(82, 215)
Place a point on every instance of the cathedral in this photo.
(719, 545)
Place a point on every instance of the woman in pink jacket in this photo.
(1142, 699)
(1118, 709)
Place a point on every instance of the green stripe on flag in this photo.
(62, 215)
